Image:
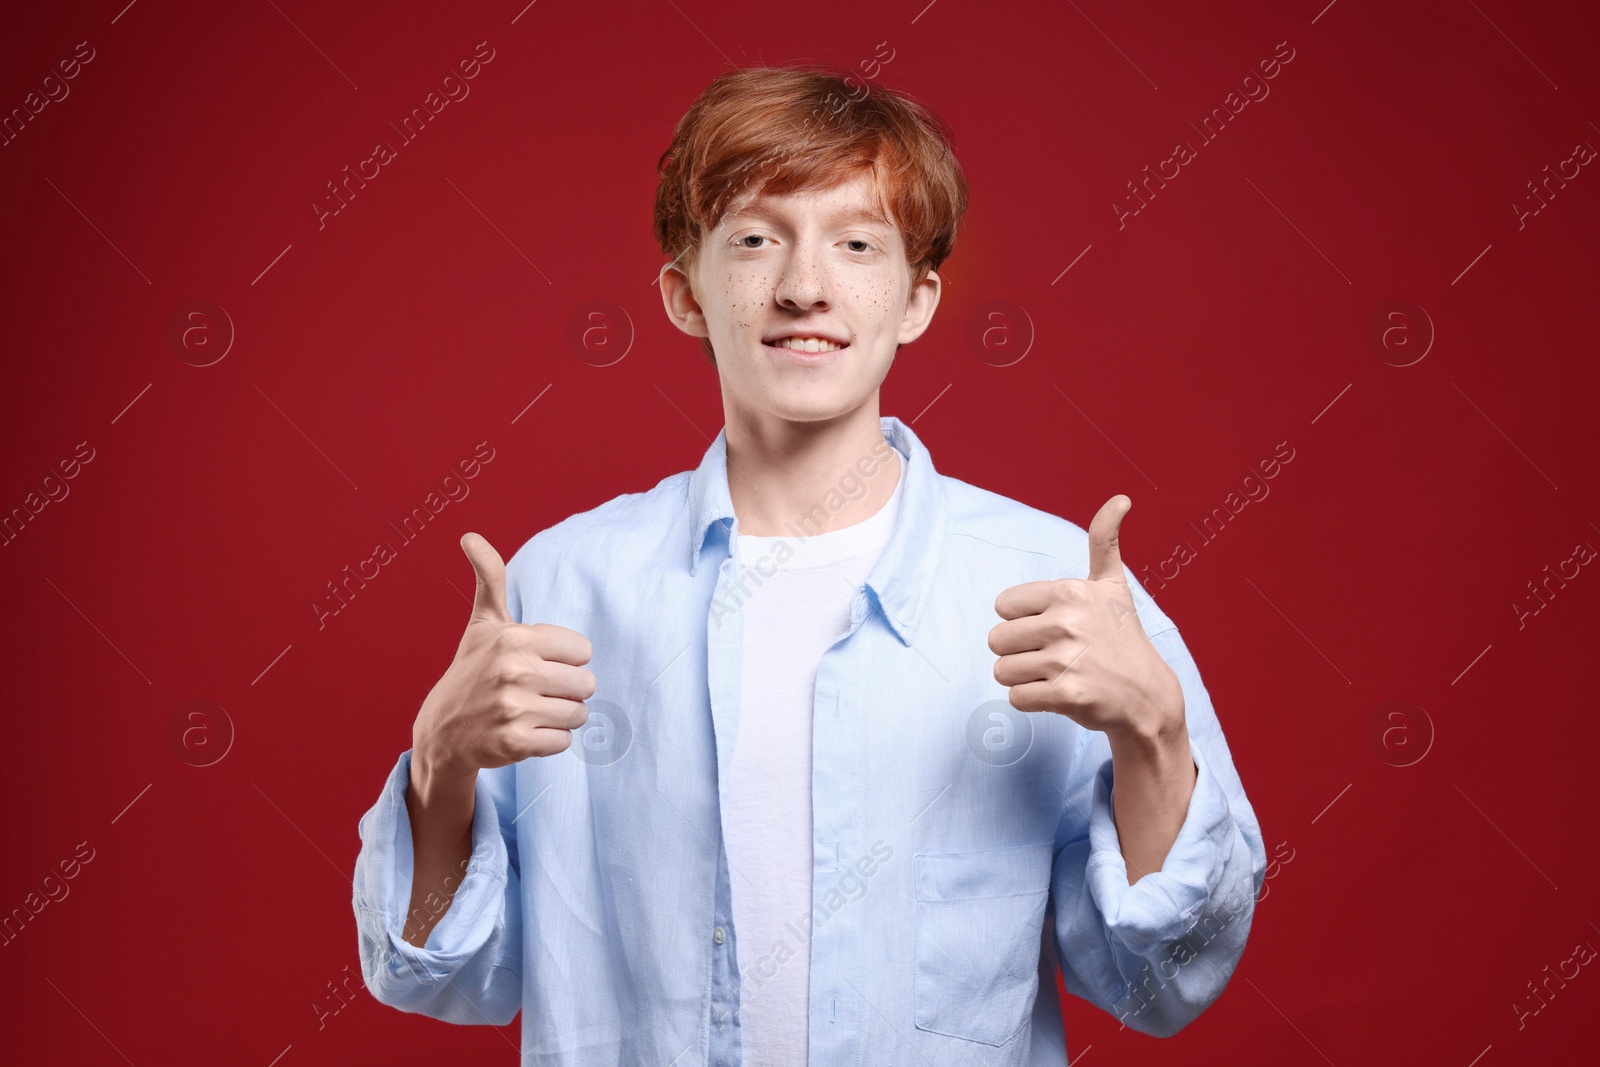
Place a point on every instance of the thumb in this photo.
(1105, 555)
(489, 602)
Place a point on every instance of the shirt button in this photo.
(718, 936)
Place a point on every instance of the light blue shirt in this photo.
(963, 850)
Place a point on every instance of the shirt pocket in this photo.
(978, 919)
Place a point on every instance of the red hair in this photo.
(780, 130)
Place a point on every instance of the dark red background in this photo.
(378, 351)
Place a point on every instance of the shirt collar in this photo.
(901, 581)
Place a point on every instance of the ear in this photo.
(677, 296)
(920, 306)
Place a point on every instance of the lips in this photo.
(800, 332)
(809, 344)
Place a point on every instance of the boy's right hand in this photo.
(513, 690)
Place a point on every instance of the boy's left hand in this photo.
(1075, 646)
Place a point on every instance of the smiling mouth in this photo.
(807, 346)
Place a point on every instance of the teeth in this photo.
(807, 344)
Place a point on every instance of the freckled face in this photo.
(808, 264)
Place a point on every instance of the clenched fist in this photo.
(1075, 646)
(513, 690)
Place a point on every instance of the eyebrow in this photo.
(855, 214)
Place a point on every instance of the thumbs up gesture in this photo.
(1074, 646)
(513, 690)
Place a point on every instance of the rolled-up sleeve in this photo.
(1157, 953)
(469, 970)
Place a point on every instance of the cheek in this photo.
(878, 302)
(743, 299)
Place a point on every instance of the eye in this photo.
(859, 241)
(740, 241)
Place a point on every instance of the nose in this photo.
(804, 283)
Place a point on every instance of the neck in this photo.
(815, 476)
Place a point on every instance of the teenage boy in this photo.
(867, 753)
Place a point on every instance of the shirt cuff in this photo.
(1164, 905)
(383, 882)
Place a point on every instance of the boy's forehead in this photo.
(852, 200)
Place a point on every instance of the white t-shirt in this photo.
(791, 617)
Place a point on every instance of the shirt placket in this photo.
(724, 638)
(836, 797)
